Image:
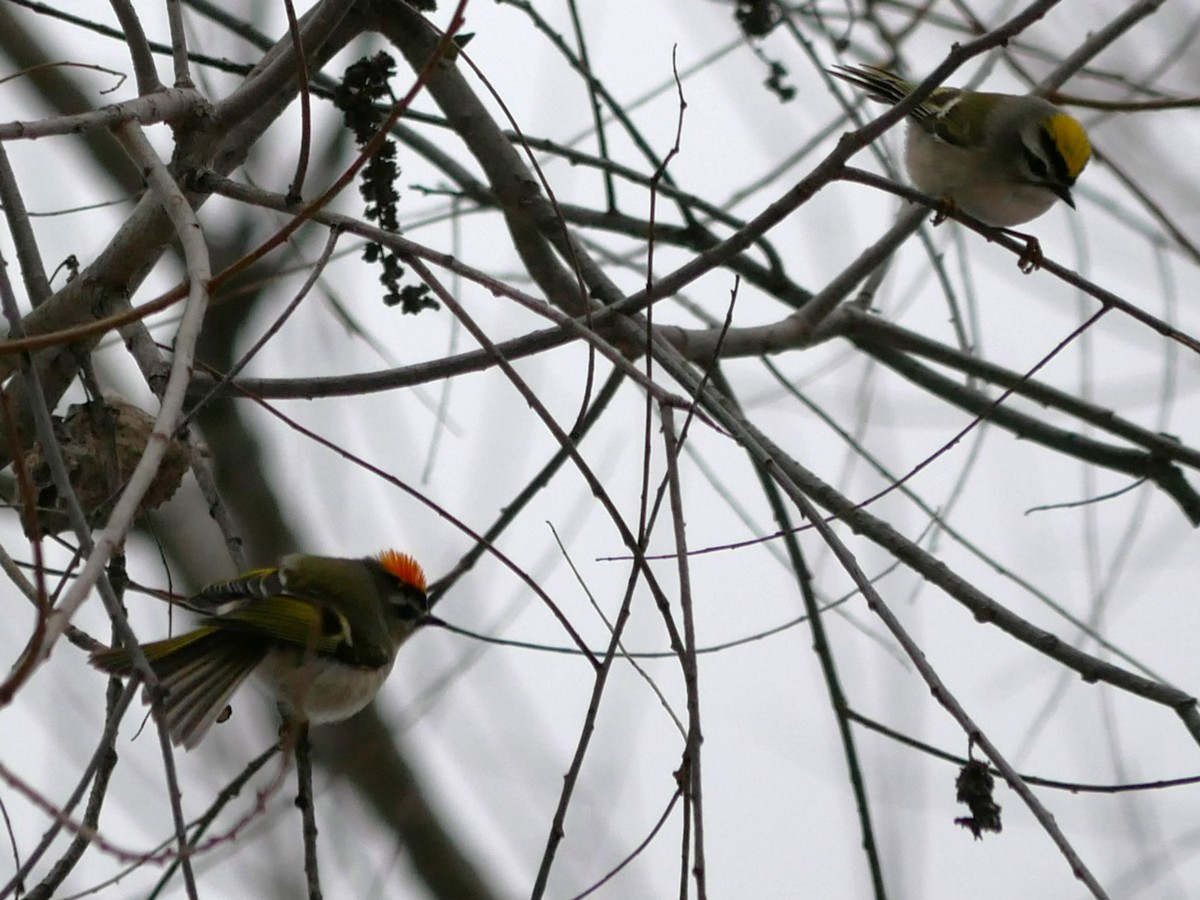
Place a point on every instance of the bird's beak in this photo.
(1064, 194)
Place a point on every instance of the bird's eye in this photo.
(331, 623)
(1036, 165)
(409, 604)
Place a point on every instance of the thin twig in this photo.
(690, 767)
(33, 272)
(165, 105)
(101, 765)
(308, 811)
(296, 188)
(139, 48)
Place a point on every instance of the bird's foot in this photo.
(1031, 257)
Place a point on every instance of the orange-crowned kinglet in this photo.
(321, 632)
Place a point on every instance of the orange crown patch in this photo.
(403, 568)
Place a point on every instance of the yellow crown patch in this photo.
(1071, 141)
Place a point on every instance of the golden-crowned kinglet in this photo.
(321, 632)
(1001, 158)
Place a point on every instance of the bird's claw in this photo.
(1031, 257)
(944, 210)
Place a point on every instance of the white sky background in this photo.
(492, 730)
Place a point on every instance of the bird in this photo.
(1003, 159)
(320, 632)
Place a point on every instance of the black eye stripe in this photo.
(1051, 152)
(409, 603)
(1036, 164)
